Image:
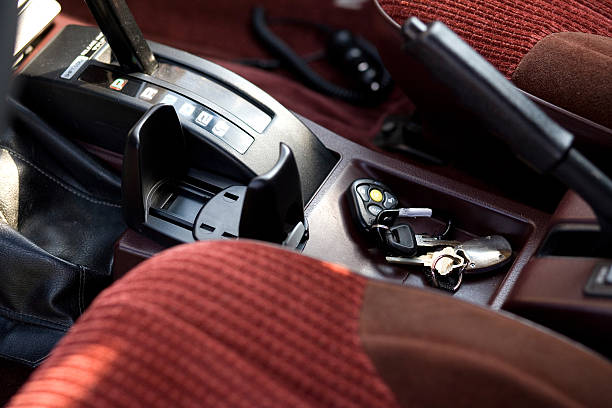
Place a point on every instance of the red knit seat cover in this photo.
(503, 31)
(216, 324)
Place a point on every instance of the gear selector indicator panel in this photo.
(208, 122)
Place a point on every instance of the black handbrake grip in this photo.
(482, 90)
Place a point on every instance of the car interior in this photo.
(355, 203)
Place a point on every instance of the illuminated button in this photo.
(149, 93)
(187, 109)
(220, 128)
(118, 84)
(608, 272)
(204, 118)
(374, 209)
(169, 99)
(376, 195)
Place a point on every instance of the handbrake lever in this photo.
(483, 92)
(123, 34)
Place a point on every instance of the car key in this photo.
(481, 254)
(374, 207)
(434, 260)
(400, 239)
(443, 268)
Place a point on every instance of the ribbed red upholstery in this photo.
(237, 324)
(503, 31)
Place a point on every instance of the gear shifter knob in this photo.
(123, 34)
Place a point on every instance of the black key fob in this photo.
(367, 199)
(401, 239)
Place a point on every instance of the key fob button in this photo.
(374, 209)
(362, 190)
(376, 195)
(390, 201)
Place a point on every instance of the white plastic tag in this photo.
(415, 212)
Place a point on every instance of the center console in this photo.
(225, 132)
(205, 154)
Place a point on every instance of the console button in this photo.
(118, 84)
(608, 278)
(390, 201)
(376, 195)
(362, 190)
(600, 282)
(187, 109)
(169, 99)
(204, 118)
(220, 128)
(149, 93)
(374, 209)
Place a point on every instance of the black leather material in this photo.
(84, 168)
(58, 223)
(42, 296)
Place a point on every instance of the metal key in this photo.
(486, 253)
(441, 265)
(481, 254)
(402, 239)
(429, 241)
(443, 261)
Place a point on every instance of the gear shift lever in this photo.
(123, 34)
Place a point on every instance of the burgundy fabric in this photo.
(443, 353)
(503, 31)
(244, 324)
(572, 71)
(222, 29)
(216, 324)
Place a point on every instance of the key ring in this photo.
(386, 217)
(461, 265)
(436, 284)
(378, 227)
